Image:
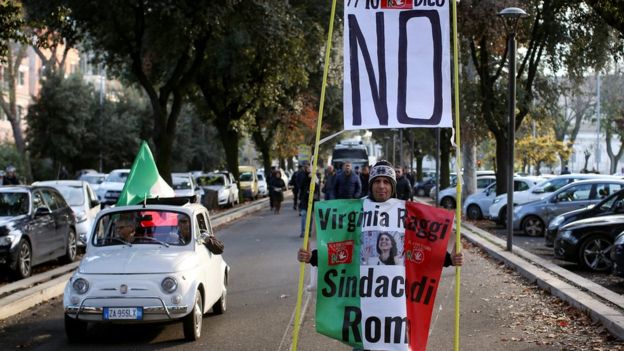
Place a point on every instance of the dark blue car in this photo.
(36, 226)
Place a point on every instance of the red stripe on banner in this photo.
(427, 231)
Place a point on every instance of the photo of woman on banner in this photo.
(386, 250)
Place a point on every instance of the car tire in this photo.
(221, 305)
(75, 329)
(420, 192)
(533, 226)
(23, 261)
(594, 253)
(502, 216)
(474, 212)
(72, 247)
(448, 203)
(192, 323)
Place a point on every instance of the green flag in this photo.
(144, 181)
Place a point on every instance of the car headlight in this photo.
(169, 285)
(556, 222)
(80, 286)
(565, 234)
(11, 239)
(497, 200)
(81, 217)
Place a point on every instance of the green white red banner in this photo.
(379, 266)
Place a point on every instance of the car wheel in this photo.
(594, 253)
(72, 247)
(474, 212)
(448, 203)
(502, 216)
(193, 322)
(533, 226)
(221, 305)
(420, 192)
(23, 262)
(75, 329)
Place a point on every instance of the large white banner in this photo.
(397, 64)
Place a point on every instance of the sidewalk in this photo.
(500, 310)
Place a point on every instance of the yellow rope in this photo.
(459, 183)
(313, 182)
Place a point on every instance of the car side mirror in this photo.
(538, 191)
(203, 237)
(42, 211)
(94, 203)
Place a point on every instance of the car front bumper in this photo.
(92, 309)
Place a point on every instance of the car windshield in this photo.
(246, 177)
(13, 204)
(72, 194)
(180, 183)
(150, 227)
(260, 176)
(117, 177)
(212, 179)
(614, 201)
(93, 179)
(552, 185)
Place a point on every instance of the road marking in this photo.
(308, 297)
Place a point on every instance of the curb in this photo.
(29, 297)
(550, 277)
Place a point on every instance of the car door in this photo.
(62, 218)
(212, 273)
(43, 230)
(572, 198)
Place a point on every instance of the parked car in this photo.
(533, 216)
(424, 188)
(617, 255)
(612, 204)
(82, 200)
(498, 210)
(588, 242)
(94, 179)
(448, 197)
(36, 226)
(227, 191)
(184, 185)
(477, 204)
(248, 181)
(263, 188)
(166, 273)
(111, 187)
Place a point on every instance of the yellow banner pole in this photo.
(459, 183)
(313, 182)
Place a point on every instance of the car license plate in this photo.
(133, 313)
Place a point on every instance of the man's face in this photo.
(398, 172)
(125, 231)
(365, 170)
(347, 168)
(184, 226)
(381, 189)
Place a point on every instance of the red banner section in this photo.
(427, 231)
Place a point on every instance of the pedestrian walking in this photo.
(348, 185)
(364, 175)
(276, 190)
(295, 188)
(403, 186)
(304, 194)
(329, 182)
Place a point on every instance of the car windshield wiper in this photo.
(152, 239)
(121, 240)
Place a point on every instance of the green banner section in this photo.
(338, 228)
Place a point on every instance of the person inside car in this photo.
(125, 229)
(184, 228)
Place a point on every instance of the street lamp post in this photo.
(511, 16)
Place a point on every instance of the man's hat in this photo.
(382, 169)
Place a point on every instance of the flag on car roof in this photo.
(144, 181)
(379, 266)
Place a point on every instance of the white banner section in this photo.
(397, 64)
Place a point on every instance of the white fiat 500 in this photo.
(147, 264)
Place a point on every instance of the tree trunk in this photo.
(419, 168)
(469, 156)
(164, 146)
(614, 158)
(229, 138)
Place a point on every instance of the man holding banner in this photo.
(378, 306)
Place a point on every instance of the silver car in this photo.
(448, 197)
(532, 217)
(477, 204)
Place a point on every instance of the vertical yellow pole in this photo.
(313, 182)
(459, 167)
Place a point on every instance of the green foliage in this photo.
(10, 156)
(11, 24)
